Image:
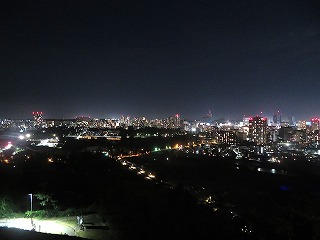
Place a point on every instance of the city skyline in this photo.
(159, 58)
(270, 116)
(276, 118)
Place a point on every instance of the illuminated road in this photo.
(206, 200)
(44, 226)
(139, 170)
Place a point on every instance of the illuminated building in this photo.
(292, 121)
(277, 118)
(37, 117)
(258, 130)
(84, 121)
(172, 122)
(315, 123)
(227, 137)
(286, 133)
(299, 136)
(124, 121)
(314, 134)
(302, 125)
(177, 121)
(245, 121)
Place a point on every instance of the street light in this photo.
(32, 223)
(30, 194)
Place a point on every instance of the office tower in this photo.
(258, 130)
(277, 118)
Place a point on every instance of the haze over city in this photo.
(159, 58)
(159, 119)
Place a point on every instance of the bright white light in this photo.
(151, 175)
(28, 135)
(21, 137)
(20, 223)
(9, 145)
(46, 226)
(48, 143)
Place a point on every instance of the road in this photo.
(44, 226)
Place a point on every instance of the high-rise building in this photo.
(124, 121)
(258, 130)
(292, 121)
(302, 125)
(314, 132)
(277, 118)
(226, 137)
(177, 121)
(315, 124)
(246, 121)
(286, 133)
(37, 117)
(172, 122)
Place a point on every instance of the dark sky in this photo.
(158, 58)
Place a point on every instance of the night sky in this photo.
(158, 58)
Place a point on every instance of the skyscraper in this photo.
(277, 118)
(258, 130)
